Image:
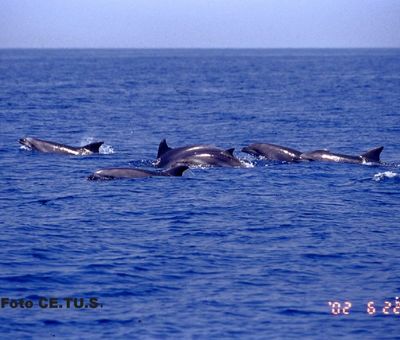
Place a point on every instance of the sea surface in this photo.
(221, 253)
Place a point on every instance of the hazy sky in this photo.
(199, 23)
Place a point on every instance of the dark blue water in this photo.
(248, 253)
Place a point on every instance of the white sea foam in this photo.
(383, 175)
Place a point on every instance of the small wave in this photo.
(385, 175)
(142, 163)
(23, 147)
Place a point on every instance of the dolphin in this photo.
(130, 173)
(273, 152)
(195, 155)
(371, 156)
(52, 147)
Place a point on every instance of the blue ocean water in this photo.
(221, 253)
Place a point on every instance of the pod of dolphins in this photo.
(178, 160)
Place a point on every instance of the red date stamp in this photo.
(371, 307)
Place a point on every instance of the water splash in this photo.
(247, 163)
(24, 147)
(384, 175)
(106, 149)
(87, 140)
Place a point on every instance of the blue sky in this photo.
(199, 23)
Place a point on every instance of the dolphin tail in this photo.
(163, 148)
(93, 147)
(176, 171)
(372, 155)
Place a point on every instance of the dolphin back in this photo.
(176, 171)
(373, 155)
(230, 152)
(93, 147)
(163, 148)
(273, 152)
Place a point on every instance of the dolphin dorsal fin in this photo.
(372, 155)
(93, 147)
(176, 171)
(230, 151)
(163, 148)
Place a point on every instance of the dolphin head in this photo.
(26, 142)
